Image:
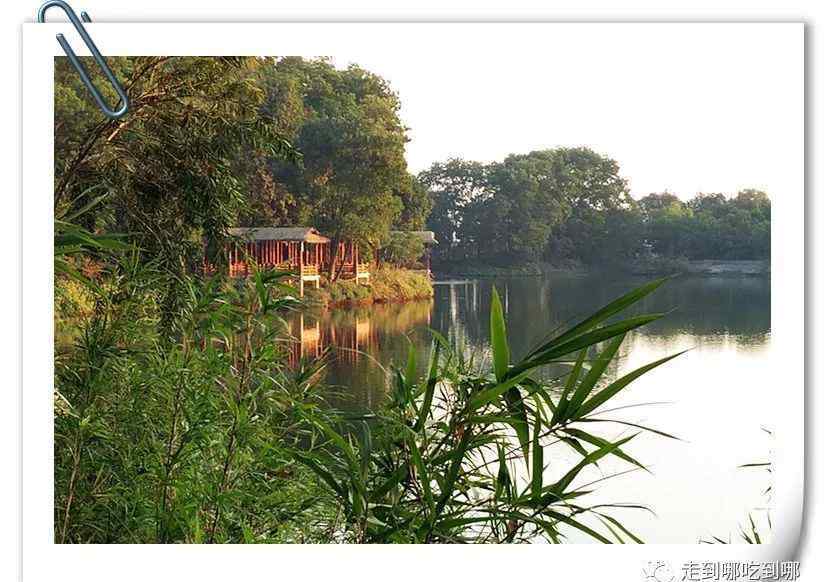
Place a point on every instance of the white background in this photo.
(240, 10)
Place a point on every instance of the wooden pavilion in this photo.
(297, 248)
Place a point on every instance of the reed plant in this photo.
(182, 422)
(459, 455)
(183, 433)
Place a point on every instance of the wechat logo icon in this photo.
(658, 571)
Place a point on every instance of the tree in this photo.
(402, 249)
(354, 182)
(453, 186)
(417, 204)
(516, 210)
(171, 164)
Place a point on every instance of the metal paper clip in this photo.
(84, 75)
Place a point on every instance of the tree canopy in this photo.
(572, 205)
(214, 142)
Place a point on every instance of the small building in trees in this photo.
(301, 249)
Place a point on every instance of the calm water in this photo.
(714, 397)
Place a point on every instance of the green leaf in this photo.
(563, 406)
(430, 388)
(582, 341)
(601, 442)
(595, 372)
(519, 418)
(410, 370)
(566, 480)
(325, 475)
(491, 394)
(603, 314)
(424, 476)
(366, 448)
(536, 463)
(612, 389)
(499, 340)
(503, 475)
(576, 524)
(623, 422)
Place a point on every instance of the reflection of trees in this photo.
(358, 343)
(361, 342)
(710, 308)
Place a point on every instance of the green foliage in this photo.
(172, 165)
(402, 249)
(387, 284)
(346, 291)
(458, 456)
(182, 438)
(391, 284)
(570, 206)
(354, 182)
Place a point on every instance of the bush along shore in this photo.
(652, 266)
(387, 284)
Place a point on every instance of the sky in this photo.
(684, 108)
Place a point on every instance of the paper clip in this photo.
(84, 75)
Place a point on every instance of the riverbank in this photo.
(649, 267)
(386, 285)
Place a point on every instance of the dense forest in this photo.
(214, 143)
(211, 143)
(571, 205)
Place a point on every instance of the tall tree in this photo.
(170, 165)
(453, 186)
(354, 181)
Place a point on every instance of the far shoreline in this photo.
(702, 268)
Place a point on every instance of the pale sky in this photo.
(685, 108)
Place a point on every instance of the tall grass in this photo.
(180, 421)
(182, 434)
(459, 455)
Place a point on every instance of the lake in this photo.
(714, 397)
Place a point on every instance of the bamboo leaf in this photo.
(612, 389)
(410, 370)
(576, 524)
(602, 314)
(536, 463)
(499, 340)
(583, 341)
(593, 375)
(566, 480)
(564, 406)
(430, 387)
(325, 475)
(489, 395)
(601, 442)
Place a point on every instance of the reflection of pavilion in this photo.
(312, 338)
(351, 334)
(469, 289)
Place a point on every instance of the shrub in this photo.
(391, 284)
(182, 434)
(458, 456)
(386, 284)
(403, 249)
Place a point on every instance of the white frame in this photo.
(44, 560)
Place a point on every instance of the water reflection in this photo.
(717, 313)
(717, 393)
(359, 345)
